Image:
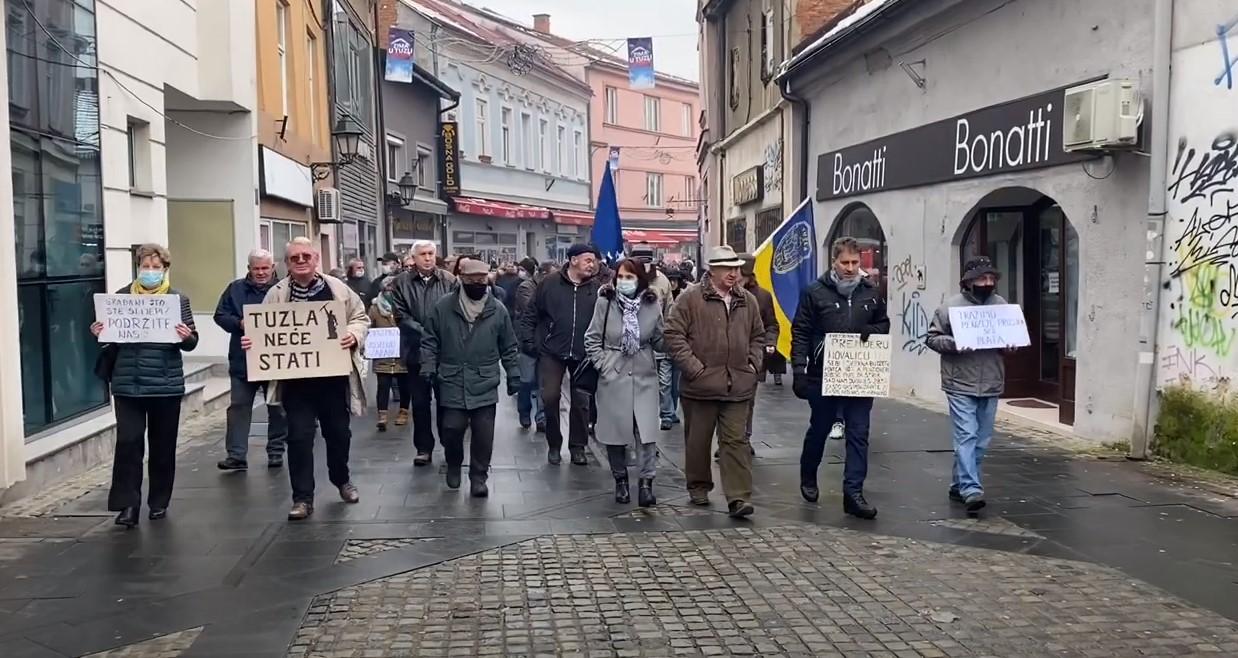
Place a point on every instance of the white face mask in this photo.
(357, 274)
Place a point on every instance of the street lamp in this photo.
(406, 192)
(347, 137)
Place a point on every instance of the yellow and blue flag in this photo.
(785, 265)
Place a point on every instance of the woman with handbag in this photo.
(147, 385)
(621, 340)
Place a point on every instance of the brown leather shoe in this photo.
(349, 493)
(699, 497)
(300, 511)
(401, 418)
(382, 421)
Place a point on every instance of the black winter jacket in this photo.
(823, 310)
(414, 300)
(148, 370)
(228, 313)
(557, 316)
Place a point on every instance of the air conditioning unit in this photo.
(1101, 115)
(327, 205)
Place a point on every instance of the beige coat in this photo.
(358, 326)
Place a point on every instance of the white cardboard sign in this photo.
(383, 343)
(138, 318)
(988, 327)
(296, 340)
(854, 368)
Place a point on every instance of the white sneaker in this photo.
(837, 431)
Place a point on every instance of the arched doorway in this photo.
(858, 221)
(1030, 239)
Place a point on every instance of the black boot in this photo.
(453, 477)
(128, 517)
(554, 455)
(644, 494)
(623, 495)
(855, 505)
(809, 491)
(478, 488)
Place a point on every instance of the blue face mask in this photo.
(626, 287)
(150, 279)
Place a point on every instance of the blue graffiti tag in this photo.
(1227, 72)
(915, 323)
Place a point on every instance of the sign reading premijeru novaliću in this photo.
(297, 340)
(138, 318)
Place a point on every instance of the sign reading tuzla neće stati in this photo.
(296, 340)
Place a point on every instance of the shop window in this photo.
(274, 236)
(858, 221)
(737, 234)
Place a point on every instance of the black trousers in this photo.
(551, 372)
(307, 403)
(138, 421)
(423, 417)
(455, 422)
(398, 381)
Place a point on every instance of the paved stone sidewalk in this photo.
(785, 591)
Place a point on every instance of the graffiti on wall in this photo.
(914, 321)
(907, 273)
(1225, 31)
(1189, 366)
(773, 167)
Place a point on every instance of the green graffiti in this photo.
(1201, 321)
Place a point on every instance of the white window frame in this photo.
(767, 38)
(653, 114)
(481, 121)
(505, 135)
(311, 77)
(578, 154)
(281, 48)
(527, 140)
(268, 241)
(560, 144)
(424, 158)
(612, 105)
(653, 190)
(543, 145)
(395, 156)
(687, 119)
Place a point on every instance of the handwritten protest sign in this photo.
(297, 340)
(856, 369)
(989, 327)
(138, 318)
(383, 343)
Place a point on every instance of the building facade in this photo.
(523, 134)
(128, 123)
(928, 169)
(294, 123)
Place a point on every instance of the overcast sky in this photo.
(672, 23)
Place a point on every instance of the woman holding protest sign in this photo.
(391, 372)
(147, 383)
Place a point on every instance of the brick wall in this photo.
(388, 11)
(814, 17)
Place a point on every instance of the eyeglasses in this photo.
(300, 258)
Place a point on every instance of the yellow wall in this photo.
(301, 142)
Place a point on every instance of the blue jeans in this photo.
(528, 401)
(973, 419)
(855, 412)
(668, 389)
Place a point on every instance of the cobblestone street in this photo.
(1074, 557)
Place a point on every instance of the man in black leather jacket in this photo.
(840, 302)
(416, 292)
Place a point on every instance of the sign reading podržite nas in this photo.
(854, 368)
(296, 340)
(138, 318)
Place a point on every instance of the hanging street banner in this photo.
(296, 340)
(854, 368)
(640, 63)
(383, 343)
(993, 326)
(399, 55)
(138, 318)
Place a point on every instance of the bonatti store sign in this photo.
(1014, 136)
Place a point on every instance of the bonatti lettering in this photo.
(860, 176)
(1000, 149)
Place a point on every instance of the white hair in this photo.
(422, 244)
(260, 255)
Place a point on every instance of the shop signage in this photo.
(748, 186)
(296, 340)
(138, 318)
(449, 156)
(1015, 136)
(855, 368)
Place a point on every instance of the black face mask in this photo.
(475, 291)
(982, 293)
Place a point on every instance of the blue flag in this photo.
(786, 264)
(607, 233)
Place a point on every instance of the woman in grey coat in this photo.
(625, 332)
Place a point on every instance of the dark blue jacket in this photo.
(228, 316)
(145, 370)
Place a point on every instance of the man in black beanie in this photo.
(553, 329)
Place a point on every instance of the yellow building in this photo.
(293, 122)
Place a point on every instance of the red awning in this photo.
(572, 217)
(488, 208)
(669, 237)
